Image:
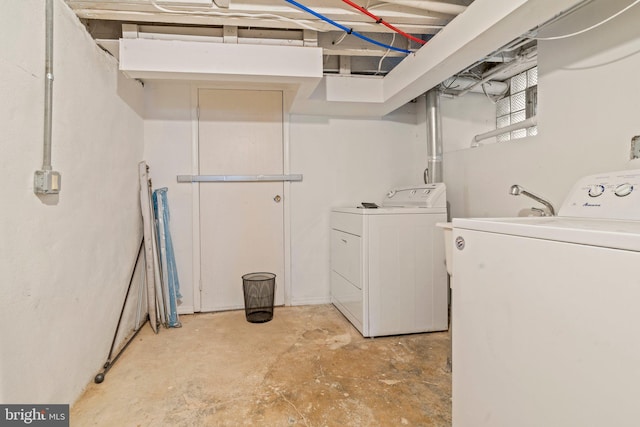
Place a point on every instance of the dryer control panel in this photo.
(419, 196)
(612, 195)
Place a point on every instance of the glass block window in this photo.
(520, 104)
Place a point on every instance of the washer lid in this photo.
(390, 211)
(617, 234)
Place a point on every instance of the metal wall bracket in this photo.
(238, 178)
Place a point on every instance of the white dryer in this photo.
(546, 324)
(388, 275)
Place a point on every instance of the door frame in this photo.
(195, 194)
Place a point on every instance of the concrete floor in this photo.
(308, 366)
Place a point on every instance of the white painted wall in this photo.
(587, 115)
(465, 117)
(168, 151)
(64, 260)
(344, 161)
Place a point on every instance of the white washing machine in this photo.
(388, 275)
(546, 312)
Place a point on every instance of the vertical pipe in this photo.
(48, 86)
(434, 137)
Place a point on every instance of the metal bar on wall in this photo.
(238, 178)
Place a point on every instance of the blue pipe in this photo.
(345, 29)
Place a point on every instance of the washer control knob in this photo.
(596, 190)
(413, 192)
(427, 191)
(623, 189)
(391, 193)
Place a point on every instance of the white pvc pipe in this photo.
(531, 121)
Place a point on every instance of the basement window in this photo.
(520, 104)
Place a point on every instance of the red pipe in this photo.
(382, 21)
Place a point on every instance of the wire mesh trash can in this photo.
(259, 290)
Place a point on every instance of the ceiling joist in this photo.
(273, 15)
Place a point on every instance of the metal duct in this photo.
(433, 173)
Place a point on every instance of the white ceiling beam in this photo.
(432, 6)
(142, 57)
(298, 70)
(391, 10)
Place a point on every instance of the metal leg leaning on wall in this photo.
(110, 362)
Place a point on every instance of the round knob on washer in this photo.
(596, 190)
(391, 193)
(623, 189)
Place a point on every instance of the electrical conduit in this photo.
(48, 86)
(45, 180)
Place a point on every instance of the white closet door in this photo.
(241, 224)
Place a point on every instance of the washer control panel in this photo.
(427, 196)
(613, 195)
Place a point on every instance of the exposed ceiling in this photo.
(475, 41)
(280, 22)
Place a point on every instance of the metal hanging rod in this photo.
(238, 178)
